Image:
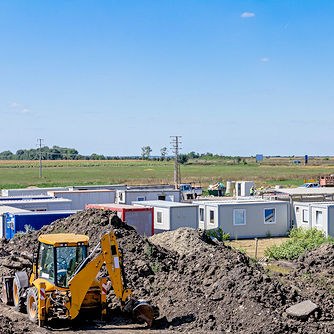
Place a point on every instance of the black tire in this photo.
(18, 296)
(32, 304)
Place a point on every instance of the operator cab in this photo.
(59, 255)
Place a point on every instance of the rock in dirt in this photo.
(302, 310)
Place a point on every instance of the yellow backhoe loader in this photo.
(64, 280)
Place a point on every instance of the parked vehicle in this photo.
(310, 185)
(189, 191)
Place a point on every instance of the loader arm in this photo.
(82, 280)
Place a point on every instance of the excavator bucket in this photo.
(141, 310)
(144, 311)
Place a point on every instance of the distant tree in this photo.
(163, 153)
(182, 158)
(193, 155)
(146, 152)
(6, 155)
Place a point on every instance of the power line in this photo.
(175, 149)
(40, 156)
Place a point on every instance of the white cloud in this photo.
(264, 59)
(247, 15)
(26, 111)
(14, 105)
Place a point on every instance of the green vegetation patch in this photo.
(300, 241)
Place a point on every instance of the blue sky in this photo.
(231, 77)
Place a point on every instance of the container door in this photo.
(10, 226)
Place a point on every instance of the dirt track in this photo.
(198, 285)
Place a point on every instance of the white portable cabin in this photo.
(7, 209)
(245, 219)
(80, 198)
(30, 191)
(98, 187)
(242, 188)
(315, 215)
(169, 216)
(52, 204)
(128, 196)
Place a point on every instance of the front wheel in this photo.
(18, 296)
(32, 304)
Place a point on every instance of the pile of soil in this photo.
(6, 326)
(197, 284)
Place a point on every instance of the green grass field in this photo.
(16, 174)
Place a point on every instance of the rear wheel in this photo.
(32, 304)
(18, 297)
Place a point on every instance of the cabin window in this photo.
(201, 214)
(305, 215)
(159, 217)
(140, 199)
(162, 198)
(270, 216)
(212, 217)
(121, 198)
(318, 218)
(239, 217)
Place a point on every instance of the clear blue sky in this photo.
(231, 77)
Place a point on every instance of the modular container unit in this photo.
(134, 195)
(82, 197)
(169, 216)
(139, 218)
(98, 187)
(315, 215)
(242, 188)
(51, 204)
(30, 191)
(245, 219)
(17, 222)
(21, 198)
(7, 209)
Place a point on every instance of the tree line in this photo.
(65, 153)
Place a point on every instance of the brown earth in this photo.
(198, 285)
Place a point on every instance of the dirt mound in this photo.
(199, 285)
(183, 241)
(6, 326)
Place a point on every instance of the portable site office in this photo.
(40, 204)
(30, 191)
(315, 215)
(80, 198)
(128, 196)
(245, 219)
(139, 218)
(169, 216)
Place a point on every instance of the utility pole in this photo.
(175, 148)
(40, 156)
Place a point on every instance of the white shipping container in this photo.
(81, 198)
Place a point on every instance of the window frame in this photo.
(264, 216)
(308, 216)
(322, 217)
(161, 216)
(201, 216)
(245, 217)
(211, 220)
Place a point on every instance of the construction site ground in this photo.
(198, 285)
(249, 245)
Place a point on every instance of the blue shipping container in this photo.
(16, 222)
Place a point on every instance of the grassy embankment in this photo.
(14, 174)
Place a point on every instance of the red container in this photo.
(142, 219)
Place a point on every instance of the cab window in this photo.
(46, 262)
